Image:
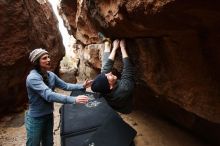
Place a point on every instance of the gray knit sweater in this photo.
(120, 96)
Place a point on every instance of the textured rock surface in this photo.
(79, 21)
(89, 60)
(174, 44)
(25, 25)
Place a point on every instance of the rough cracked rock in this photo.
(174, 45)
(25, 25)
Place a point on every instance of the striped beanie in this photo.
(36, 54)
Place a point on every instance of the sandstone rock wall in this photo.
(176, 41)
(89, 60)
(173, 43)
(25, 25)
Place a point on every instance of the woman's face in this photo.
(45, 62)
(111, 78)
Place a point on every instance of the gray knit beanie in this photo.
(36, 54)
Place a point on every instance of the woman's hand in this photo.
(82, 99)
(87, 83)
(123, 49)
(115, 44)
(122, 44)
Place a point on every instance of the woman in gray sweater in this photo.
(40, 85)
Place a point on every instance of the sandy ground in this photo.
(151, 130)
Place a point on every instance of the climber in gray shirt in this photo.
(117, 92)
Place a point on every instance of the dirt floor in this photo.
(151, 130)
